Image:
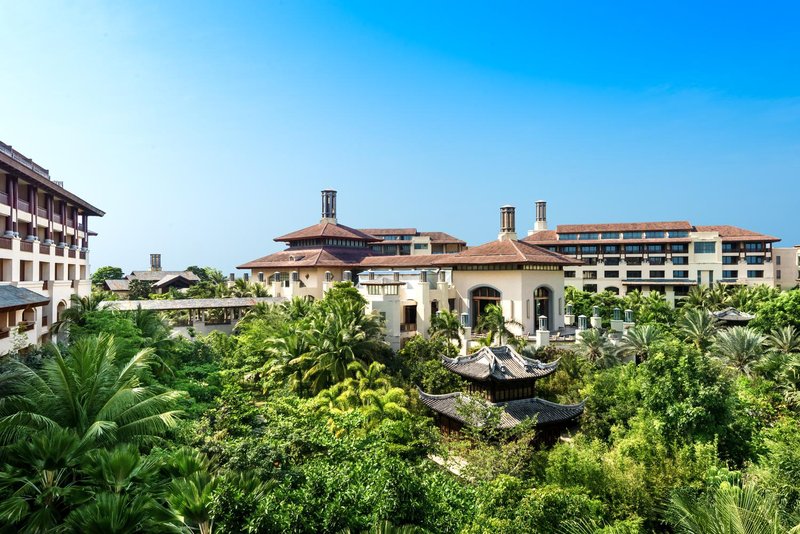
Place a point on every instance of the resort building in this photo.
(668, 257)
(525, 280)
(408, 241)
(43, 251)
(500, 378)
(787, 267)
(162, 281)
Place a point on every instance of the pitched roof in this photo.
(117, 285)
(328, 229)
(443, 238)
(17, 298)
(506, 251)
(155, 276)
(498, 363)
(389, 231)
(172, 278)
(734, 233)
(415, 260)
(623, 227)
(310, 257)
(733, 315)
(187, 304)
(466, 409)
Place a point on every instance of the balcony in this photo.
(57, 218)
(4, 197)
(44, 249)
(72, 254)
(408, 327)
(6, 242)
(26, 246)
(41, 212)
(23, 205)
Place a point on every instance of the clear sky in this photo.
(206, 129)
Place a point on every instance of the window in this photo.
(610, 235)
(655, 248)
(755, 274)
(778, 274)
(569, 250)
(633, 261)
(590, 261)
(390, 290)
(728, 247)
(633, 248)
(680, 260)
(730, 260)
(405, 249)
(754, 260)
(590, 288)
(634, 274)
(754, 247)
(657, 274)
(681, 247)
(679, 233)
(657, 260)
(589, 249)
(420, 246)
(705, 247)
(611, 274)
(568, 237)
(680, 274)
(588, 236)
(612, 261)
(653, 235)
(590, 275)
(730, 274)
(777, 260)
(569, 274)
(632, 235)
(373, 289)
(611, 249)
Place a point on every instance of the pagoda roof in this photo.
(466, 409)
(330, 230)
(498, 363)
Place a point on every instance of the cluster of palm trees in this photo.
(70, 434)
(720, 296)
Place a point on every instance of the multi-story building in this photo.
(409, 241)
(787, 267)
(43, 251)
(668, 257)
(527, 281)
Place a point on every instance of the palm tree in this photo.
(446, 325)
(596, 348)
(76, 313)
(638, 341)
(729, 509)
(123, 514)
(88, 391)
(719, 296)
(697, 297)
(492, 322)
(784, 340)
(741, 347)
(698, 326)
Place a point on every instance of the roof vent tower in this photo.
(541, 217)
(328, 206)
(155, 262)
(508, 225)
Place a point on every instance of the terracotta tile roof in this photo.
(514, 412)
(443, 238)
(418, 260)
(534, 240)
(498, 363)
(169, 279)
(389, 231)
(328, 229)
(310, 257)
(507, 251)
(623, 227)
(734, 233)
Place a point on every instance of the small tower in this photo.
(541, 217)
(155, 262)
(328, 206)
(508, 224)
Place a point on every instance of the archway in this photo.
(482, 297)
(612, 289)
(543, 305)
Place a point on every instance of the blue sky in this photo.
(206, 129)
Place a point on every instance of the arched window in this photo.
(482, 297)
(613, 289)
(543, 304)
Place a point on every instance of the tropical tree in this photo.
(106, 273)
(784, 340)
(88, 391)
(740, 347)
(446, 325)
(697, 297)
(638, 341)
(596, 348)
(77, 311)
(698, 327)
(492, 321)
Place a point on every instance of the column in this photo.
(48, 234)
(85, 232)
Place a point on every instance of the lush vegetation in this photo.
(304, 421)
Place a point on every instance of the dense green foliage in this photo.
(106, 273)
(303, 420)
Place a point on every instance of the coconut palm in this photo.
(76, 313)
(698, 326)
(491, 321)
(87, 390)
(596, 348)
(446, 325)
(638, 341)
(697, 297)
(729, 509)
(719, 297)
(784, 340)
(741, 347)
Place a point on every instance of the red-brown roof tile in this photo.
(734, 233)
(328, 229)
(623, 227)
(443, 238)
(417, 260)
(389, 231)
(507, 251)
(309, 257)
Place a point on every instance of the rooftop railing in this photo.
(26, 162)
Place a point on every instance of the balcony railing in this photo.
(24, 205)
(59, 251)
(26, 246)
(71, 253)
(5, 242)
(41, 212)
(44, 249)
(3, 197)
(408, 327)
(57, 218)
(83, 255)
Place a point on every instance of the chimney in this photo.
(508, 225)
(541, 217)
(328, 206)
(155, 262)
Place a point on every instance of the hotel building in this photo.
(407, 289)
(668, 257)
(787, 267)
(44, 249)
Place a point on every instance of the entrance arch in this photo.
(481, 297)
(543, 305)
